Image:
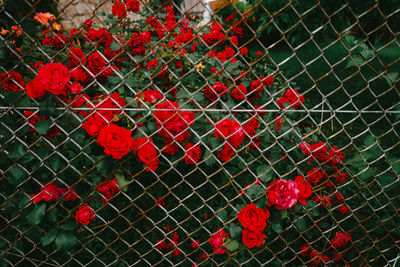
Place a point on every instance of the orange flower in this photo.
(44, 18)
(18, 30)
(56, 26)
(4, 32)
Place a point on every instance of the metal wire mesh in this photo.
(347, 107)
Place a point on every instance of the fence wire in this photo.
(344, 58)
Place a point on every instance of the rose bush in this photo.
(158, 135)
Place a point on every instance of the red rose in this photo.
(305, 250)
(150, 96)
(152, 64)
(283, 194)
(217, 90)
(344, 210)
(76, 57)
(133, 5)
(34, 89)
(174, 124)
(231, 131)
(48, 192)
(108, 189)
(192, 153)
(96, 62)
(116, 140)
(258, 53)
(226, 153)
(244, 50)
(53, 78)
(75, 88)
(119, 9)
(84, 215)
(79, 74)
(340, 240)
(250, 127)
(170, 147)
(93, 125)
(315, 176)
(268, 81)
(217, 241)
(253, 218)
(147, 152)
(72, 195)
(136, 43)
(239, 92)
(252, 239)
(12, 81)
(291, 97)
(32, 118)
(305, 190)
(160, 244)
(195, 244)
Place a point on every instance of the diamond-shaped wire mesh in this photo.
(342, 56)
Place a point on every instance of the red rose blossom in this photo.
(192, 153)
(239, 93)
(116, 140)
(53, 78)
(253, 218)
(84, 215)
(305, 190)
(216, 91)
(217, 241)
(340, 240)
(252, 238)
(231, 131)
(132, 5)
(118, 9)
(34, 89)
(283, 194)
(146, 152)
(96, 62)
(12, 81)
(108, 189)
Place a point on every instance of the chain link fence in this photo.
(343, 57)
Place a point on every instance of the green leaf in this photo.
(42, 127)
(52, 215)
(255, 191)
(277, 227)
(262, 173)
(301, 224)
(367, 53)
(235, 231)
(151, 126)
(232, 245)
(49, 237)
(17, 151)
(68, 226)
(369, 140)
(198, 97)
(65, 241)
(122, 183)
(391, 77)
(210, 160)
(36, 215)
(113, 79)
(115, 46)
(130, 81)
(16, 175)
(357, 61)
(223, 215)
(47, 107)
